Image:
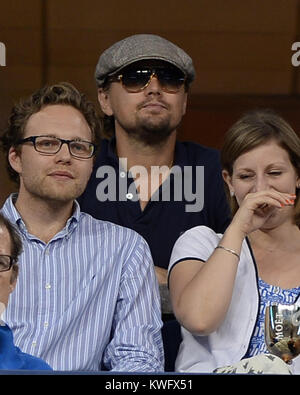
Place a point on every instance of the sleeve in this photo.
(11, 357)
(136, 342)
(196, 243)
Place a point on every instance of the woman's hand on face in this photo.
(256, 208)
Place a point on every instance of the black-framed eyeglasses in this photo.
(6, 263)
(50, 145)
(136, 79)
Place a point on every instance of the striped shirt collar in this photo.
(10, 209)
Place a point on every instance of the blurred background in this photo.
(241, 51)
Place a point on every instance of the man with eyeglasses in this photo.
(11, 357)
(87, 297)
(143, 82)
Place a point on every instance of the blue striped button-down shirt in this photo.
(88, 298)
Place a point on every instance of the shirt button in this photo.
(47, 252)
(129, 196)
(46, 324)
(33, 343)
(48, 286)
(122, 174)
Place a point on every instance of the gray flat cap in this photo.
(139, 47)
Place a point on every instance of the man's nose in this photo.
(154, 86)
(64, 153)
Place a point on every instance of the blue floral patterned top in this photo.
(268, 294)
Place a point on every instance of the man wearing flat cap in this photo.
(159, 187)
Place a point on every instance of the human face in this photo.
(6, 284)
(266, 167)
(59, 177)
(148, 116)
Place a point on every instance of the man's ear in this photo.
(184, 104)
(12, 285)
(104, 101)
(15, 159)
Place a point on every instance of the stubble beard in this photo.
(43, 190)
(149, 131)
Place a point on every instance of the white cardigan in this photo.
(229, 343)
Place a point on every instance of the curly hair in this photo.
(60, 93)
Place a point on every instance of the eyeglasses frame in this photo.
(32, 139)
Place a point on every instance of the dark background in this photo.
(241, 51)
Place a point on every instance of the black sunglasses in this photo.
(136, 79)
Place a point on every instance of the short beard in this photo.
(150, 136)
(43, 191)
(149, 133)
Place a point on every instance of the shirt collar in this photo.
(14, 216)
(180, 155)
(10, 210)
(75, 217)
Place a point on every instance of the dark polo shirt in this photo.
(172, 209)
